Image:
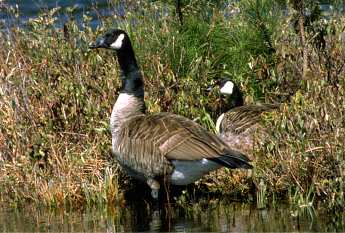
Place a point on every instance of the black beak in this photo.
(100, 43)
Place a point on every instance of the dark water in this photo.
(30, 9)
(96, 9)
(220, 217)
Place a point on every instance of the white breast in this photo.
(125, 107)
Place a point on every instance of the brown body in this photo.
(147, 143)
(239, 126)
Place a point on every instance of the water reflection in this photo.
(216, 216)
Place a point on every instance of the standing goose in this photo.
(161, 146)
(238, 125)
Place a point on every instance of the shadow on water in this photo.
(212, 215)
(138, 213)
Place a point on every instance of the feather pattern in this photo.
(239, 119)
(147, 143)
(240, 125)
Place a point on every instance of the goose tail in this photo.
(233, 160)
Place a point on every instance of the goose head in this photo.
(230, 91)
(118, 40)
(115, 39)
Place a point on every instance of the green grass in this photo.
(56, 99)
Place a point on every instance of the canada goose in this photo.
(239, 123)
(162, 145)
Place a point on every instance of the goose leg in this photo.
(178, 11)
(154, 185)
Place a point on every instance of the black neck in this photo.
(234, 100)
(132, 82)
(127, 60)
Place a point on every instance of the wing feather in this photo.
(148, 140)
(239, 119)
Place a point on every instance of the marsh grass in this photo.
(56, 98)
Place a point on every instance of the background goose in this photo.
(159, 146)
(238, 125)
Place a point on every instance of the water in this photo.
(96, 9)
(30, 9)
(219, 217)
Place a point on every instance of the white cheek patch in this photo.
(228, 88)
(118, 42)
